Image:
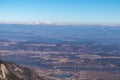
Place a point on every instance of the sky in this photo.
(61, 11)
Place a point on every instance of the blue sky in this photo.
(61, 11)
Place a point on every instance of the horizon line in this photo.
(59, 24)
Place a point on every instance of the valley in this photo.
(63, 52)
(63, 60)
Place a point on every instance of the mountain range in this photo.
(60, 33)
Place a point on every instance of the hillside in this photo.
(11, 71)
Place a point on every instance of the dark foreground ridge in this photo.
(11, 71)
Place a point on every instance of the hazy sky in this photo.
(61, 11)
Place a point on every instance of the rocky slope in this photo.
(11, 71)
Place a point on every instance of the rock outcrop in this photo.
(11, 71)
